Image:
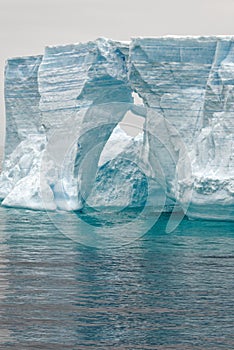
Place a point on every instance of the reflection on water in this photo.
(5, 333)
(162, 291)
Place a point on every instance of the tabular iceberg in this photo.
(64, 148)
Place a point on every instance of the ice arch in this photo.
(188, 81)
(47, 99)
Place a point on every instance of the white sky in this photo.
(26, 26)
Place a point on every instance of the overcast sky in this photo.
(26, 26)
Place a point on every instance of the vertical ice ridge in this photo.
(21, 100)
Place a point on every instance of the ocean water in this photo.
(160, 291)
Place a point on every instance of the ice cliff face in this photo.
(189, 82)
(63, 145)
(22, 100)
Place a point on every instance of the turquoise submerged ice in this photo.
(187, 87)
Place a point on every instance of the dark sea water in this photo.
(160, 291)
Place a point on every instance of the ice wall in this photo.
(189, 82)
(70, 80)
(22, 100)
(76, 76)
(57, 109)
(73, 78)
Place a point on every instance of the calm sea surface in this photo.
(161, 291)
